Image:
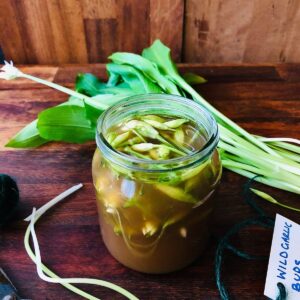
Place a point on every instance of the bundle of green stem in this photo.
(276, 160)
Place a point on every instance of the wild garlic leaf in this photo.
(28, 137)
(134, 78)
(113, 80)
(147, 67)
(97, 104)
(66, 123)
(161, 56)
(92, 111)
(88, 84)
(122, 89)
(193, 79)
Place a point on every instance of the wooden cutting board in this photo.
(264, 99)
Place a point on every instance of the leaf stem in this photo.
(55, 86)
(42, 269)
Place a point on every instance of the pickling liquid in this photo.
(156, 225)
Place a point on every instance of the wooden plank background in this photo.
(207, 31)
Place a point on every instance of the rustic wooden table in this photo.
(263, 99)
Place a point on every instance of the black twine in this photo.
(262, 220)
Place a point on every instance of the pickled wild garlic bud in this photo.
(143, 147)
(155, 137)
(131, 141)
(158, 125)
(179, 135)
(175, 123)
(120, 139)
(154, 118)
(163, 152)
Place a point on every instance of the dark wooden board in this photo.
(264, 99)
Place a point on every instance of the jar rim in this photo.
(134, 163)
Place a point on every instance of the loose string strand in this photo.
(261, 220)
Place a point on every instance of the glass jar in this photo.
(155, 214)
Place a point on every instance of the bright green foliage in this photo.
(275, 159)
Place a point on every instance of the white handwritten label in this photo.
(284, 261)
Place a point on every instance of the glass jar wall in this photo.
(155, 215)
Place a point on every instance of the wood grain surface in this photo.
(241, 31)
(264, 99)
(80, 31)
(206, 31)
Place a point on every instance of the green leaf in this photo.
(88, 84)
(28, 137)
(147, 67)
(113, 80)
(97, 104)
(192, 78)
(73, 101)
(161, 56)
(120, 89)
(139, 83)
(66, 123)
(92, 111)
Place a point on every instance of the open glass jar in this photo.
(155, 214)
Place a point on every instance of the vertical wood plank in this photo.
(290, 51)
(166, 24)
(99, 9)
(241, 31)
(71, 11)
(267, 41)
(60, 40)
(10, 36)
(101, 38)
(216, 31)
(67, 30)
(133, 25)
(35, 30)
(100, 25)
